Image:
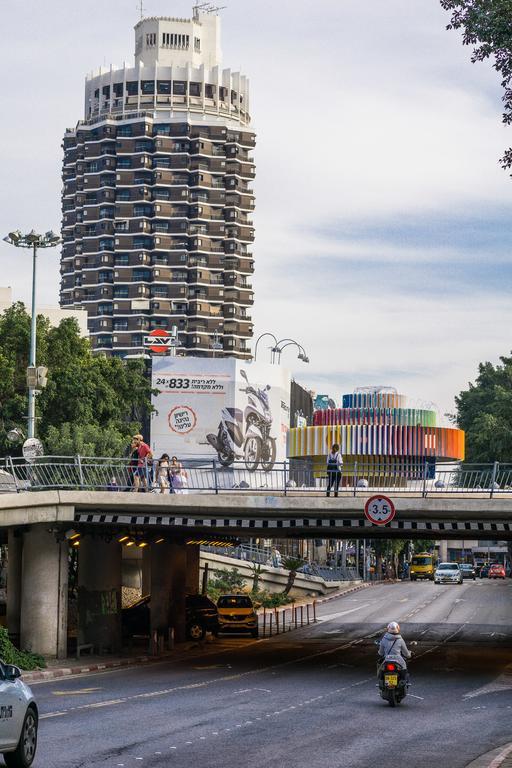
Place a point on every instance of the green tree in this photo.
(484, 412)
(487, 26)
(91, 404)
(291, 564)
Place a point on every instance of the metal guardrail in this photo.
(286, 478)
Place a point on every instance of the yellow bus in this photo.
(422, 566)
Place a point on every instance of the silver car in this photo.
(18, 719)
(448, 573)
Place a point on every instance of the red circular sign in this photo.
(379, 510)
(159, 333)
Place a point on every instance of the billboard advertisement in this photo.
(229, 410)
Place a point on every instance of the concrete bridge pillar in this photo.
(44, 599)
(99, 593)
(160, 580)
(443, 550)
(179, 590)
(14, 573)
(169, 587)
(146, 571)
(193, 558)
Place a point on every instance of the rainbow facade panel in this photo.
(376, 425)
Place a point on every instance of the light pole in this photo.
(34, 241)
(258, 341)
(280, 345)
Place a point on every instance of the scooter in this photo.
(246, 435)
(392, 679)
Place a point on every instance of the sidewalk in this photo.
(59, 668)
(496, 758)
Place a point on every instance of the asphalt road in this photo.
(307, 698)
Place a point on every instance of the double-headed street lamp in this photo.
(280, 345)
(33, 240)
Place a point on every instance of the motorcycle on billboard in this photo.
(245, 435)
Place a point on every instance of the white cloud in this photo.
(363, 111)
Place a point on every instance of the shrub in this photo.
(11, 655)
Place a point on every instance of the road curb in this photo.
(501, 757)
(53, 674)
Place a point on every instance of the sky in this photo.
(382, 215)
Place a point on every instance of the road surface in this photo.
(306, 699)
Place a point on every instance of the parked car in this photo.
(497, 571)
(468, 571)
(18, 719)
(201, 617)
(448, 573)
(237, 614)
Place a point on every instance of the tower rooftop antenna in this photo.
(141, 9)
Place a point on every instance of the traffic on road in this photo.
(314, 688)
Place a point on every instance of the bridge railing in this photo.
(294, 478)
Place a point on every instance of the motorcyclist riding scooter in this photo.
(392, 675)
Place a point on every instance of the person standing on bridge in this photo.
(143, 456)
(334, 465)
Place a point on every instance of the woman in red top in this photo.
(144, 455)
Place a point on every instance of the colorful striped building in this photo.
(378, 433)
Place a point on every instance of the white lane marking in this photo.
(331, 616)
(213, 681)
(412, 695)
(502, 683)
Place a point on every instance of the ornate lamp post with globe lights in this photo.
(35, 376)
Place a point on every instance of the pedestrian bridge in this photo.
(275, 515)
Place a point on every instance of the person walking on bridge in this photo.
(334, 465)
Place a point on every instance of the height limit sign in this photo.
(379, 510)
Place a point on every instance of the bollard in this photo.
(154, 642)
(277, 622)
(160, 644)
(264, 620)
(170, 638)
(307, 614)
(314, 611)
(291, 622)
(270, 625)
(295, 615)
(302, 615)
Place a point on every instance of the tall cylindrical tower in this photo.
(157, 198)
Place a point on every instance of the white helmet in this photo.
(393, 627)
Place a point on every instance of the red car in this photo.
(497, 571)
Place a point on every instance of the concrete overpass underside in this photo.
(39, 528)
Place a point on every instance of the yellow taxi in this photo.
(422, 566)
(237, 614)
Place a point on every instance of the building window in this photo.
(141, 275)
(122, 259)
(179, 88)
(197, 44)
(121, 292)
(195, 89)
(163, 86)
(148, 86)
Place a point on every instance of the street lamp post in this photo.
(34, 241)
(258, 341)
(277, 350)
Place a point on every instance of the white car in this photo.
(18, 719)
(448, 573)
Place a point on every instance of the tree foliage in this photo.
(484, 412)
(91, 404)
(487, 26)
